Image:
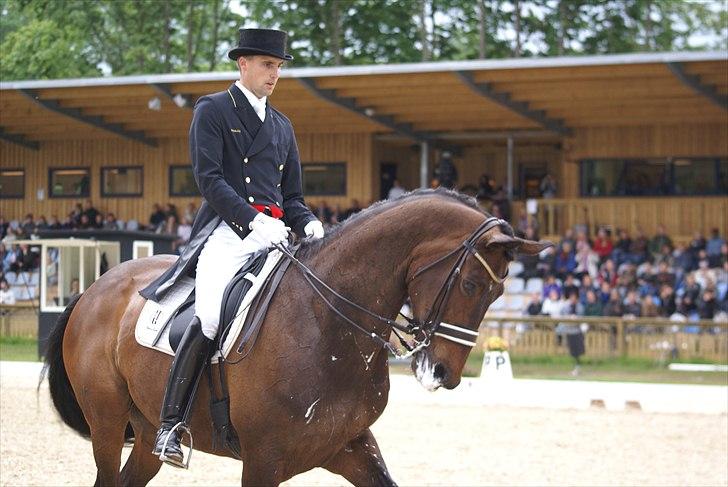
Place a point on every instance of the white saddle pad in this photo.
(152, 327)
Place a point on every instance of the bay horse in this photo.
(308, 392)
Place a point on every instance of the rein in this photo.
(433, 325)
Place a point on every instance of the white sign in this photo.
(496, 366)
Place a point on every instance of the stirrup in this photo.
(171, 461)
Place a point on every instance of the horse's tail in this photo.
(63, 396)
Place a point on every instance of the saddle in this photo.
(245, 302)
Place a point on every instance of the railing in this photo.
(681, 216)
(19, 320)
(605, 337)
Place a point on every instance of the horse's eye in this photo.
(468, 287)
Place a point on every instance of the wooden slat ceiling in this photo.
(578, 96)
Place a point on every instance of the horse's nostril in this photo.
(440, 372)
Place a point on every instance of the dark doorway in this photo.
(387, 175)
(530, 180)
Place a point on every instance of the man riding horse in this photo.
(246, 164)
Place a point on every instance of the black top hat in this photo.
(269, 42)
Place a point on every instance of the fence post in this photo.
(621, 339)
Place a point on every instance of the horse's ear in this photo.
(520, 245)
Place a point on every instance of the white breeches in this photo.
(220, 259)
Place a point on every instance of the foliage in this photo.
(70, 38)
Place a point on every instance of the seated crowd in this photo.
(632, 276)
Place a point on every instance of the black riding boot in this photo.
(189, 360)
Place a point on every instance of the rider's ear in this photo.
(520, 245)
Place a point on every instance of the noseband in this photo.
(432, 325)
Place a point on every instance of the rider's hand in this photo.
(314, 229)
(270, 230)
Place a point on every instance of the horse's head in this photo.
(452, 285)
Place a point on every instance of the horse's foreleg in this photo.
(361, 463)
(142, 465)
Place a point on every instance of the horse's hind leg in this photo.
(107, 441)
(361, 463)
(142, 465)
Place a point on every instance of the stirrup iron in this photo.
(170, 461)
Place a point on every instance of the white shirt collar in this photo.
(257, 103)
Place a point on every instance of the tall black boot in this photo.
(189, 360)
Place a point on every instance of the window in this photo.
(324, 179)
(654, 177)
(182, 181)
(69, 182)
(122, 181)
(12, 183)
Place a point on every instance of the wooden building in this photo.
(632, 140)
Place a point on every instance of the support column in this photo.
(424, 162)
(509, 179)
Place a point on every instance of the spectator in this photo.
(690, 294)
(486, 188)
(355, 208)
(530, 262)
(551, 285)
(27, 226)
(6, 295)
(697, 244)
(603, 245)
(587, 261)
(622, 247)
(110, 222)
(41, 223)
(569, 287)
(565, 262)
(614, 306)
(568, 238)
(323, 212)
(99, 223)
(184, 231)
(587, 284)
(7, 257)
(574, 335)
(534, 305)
(75, 215)
(85, 223)
(396, 190)
(664, 276)
(649, 308)
(548, 186)
(190, 212)
(592, 307)
(707, 305)
(446, 172)
(713, 245)
(157, 218)
(170, 225)
(632, 306)
(552, 305)
(25, 259)
(658, 241)
(664, 255)
(53, 223)
(4, 225)
(171, 210)
(91, 214)
(605, 291)
(638, 248)
(667, 301)
(683, 260)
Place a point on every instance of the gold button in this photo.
(279, 185)
(251, 199)
(245, 160)
(247, 180)
(280, 168)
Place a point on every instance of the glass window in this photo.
(324, 179)
(12, 183)
(654, 177)
(68, 182)
(122, 181)
(182, 181)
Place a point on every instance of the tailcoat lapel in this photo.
(244, 111)
(264, 135)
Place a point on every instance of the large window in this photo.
(122, 181)
(12, 183)
(324, 179)
(69, 182)
(654, 177)
(182, 181)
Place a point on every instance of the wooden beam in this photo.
(694, 83)
(519, 107)
(94, 121)
(19, 140)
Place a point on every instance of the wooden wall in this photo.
(354, 149)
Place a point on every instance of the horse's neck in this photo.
(368, 261)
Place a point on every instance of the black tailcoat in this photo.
(238, 161)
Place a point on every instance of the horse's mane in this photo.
(312, 247)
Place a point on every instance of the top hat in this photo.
(269, 42)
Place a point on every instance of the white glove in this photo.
(314, 229)
(268, 229)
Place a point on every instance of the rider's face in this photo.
(260, 74)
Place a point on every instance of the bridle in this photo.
(433, 325)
